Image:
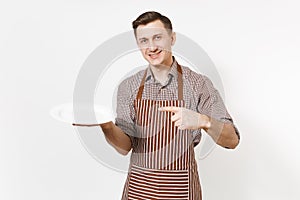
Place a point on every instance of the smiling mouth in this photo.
(154, 55)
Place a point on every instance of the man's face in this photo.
(155, 43)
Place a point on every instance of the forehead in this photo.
(150, 29)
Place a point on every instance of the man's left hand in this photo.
(187, 119)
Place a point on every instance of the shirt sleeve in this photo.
(211, 104)
(125, 110)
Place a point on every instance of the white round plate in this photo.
(65, 113)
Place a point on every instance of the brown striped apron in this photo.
(162, 164)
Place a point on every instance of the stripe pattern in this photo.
(158, 184)
(162, 164)
(159, 145)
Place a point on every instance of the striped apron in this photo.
(162, 164)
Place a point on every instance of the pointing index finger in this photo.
(169, 109)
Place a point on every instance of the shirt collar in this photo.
(173, 71)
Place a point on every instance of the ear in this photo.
(173, 38)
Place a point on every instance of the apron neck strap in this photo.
(180, 84)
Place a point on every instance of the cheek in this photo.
(167, 50)
(143, 51)
(166, 46)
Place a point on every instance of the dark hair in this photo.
(151, 16)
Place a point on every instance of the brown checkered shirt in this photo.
(199, 95)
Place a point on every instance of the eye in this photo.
(157, 37)
(143, 41)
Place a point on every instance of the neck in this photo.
(160, 72)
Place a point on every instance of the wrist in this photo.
(204, 122)
(107, 125)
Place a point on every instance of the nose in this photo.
(152, 46)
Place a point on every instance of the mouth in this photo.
(154, 55)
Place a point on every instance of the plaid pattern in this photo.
(199, 95)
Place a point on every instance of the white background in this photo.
(254, 45)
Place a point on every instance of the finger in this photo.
(169, 109)
(178, 123)
(182, 127)
(175, 117)
(86, 125)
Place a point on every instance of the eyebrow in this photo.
(143, 38)
(159, 34)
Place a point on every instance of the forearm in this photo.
(222, 133)
(116, 137)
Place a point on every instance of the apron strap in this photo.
(141, 88)
(180, 84)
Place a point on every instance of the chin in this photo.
(155, 62)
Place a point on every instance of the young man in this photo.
(160, 113)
